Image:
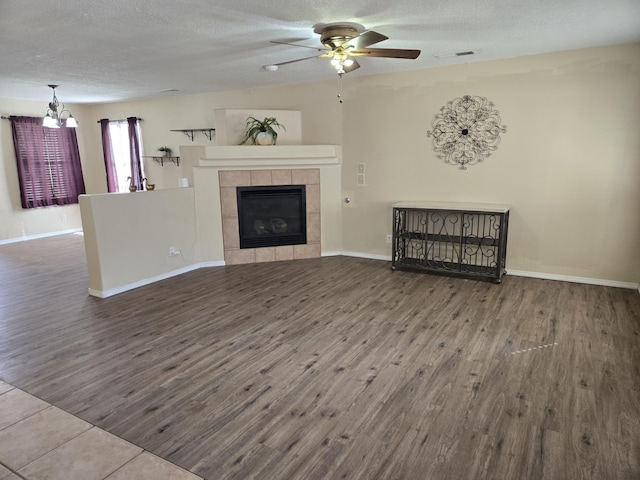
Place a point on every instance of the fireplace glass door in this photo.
(271, 216)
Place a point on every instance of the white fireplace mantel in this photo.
(270, 156)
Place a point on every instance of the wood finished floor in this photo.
(333, 368)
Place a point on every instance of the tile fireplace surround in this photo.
(230, 179)
(219, 170)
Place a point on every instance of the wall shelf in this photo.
(191, 132)
(161, 160)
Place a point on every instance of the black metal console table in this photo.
(465, 239)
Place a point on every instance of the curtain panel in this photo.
(109, 160)
(122, 153)
(48, 161)
(134, 151)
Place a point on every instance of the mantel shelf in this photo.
(190, 132)
(245, 155)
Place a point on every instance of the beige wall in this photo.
(175, 112)
(16, 222)
(128, 235)
(569, 164)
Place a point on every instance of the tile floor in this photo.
(41, 442)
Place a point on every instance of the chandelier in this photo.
(57, 116)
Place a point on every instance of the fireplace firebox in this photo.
(270, 216)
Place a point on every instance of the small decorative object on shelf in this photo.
(132, 187)
(462, 239)
(466, 131)
(261, 132)
(166, 151)
(147, 185)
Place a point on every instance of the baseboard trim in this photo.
(523, 273)
(568, 278)
(147, 281)
(518, 273)
(370, 256)
(39, 235)
(219, 263)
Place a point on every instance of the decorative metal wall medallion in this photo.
(466, 131)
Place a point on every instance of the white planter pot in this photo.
(264, 138)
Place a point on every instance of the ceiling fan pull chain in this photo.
(340, 88)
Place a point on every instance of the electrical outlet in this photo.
(63, 218)
(361, 179)
(361, 168)
(389, 239)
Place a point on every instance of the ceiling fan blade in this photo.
(365, 39)
(385, 52)
(296, 60)
(319, 49)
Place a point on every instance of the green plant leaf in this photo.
(253, 127)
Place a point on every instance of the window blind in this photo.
(48, 161)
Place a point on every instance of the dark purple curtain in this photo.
(109, 164)
(134, 151)
(48, 160)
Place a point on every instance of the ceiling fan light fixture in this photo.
(345, 41)
(340, 59)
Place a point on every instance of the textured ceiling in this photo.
(104, 51)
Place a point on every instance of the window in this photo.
(48, 160)
(122, 153)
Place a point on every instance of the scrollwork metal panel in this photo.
(443, 240)
(481, 240)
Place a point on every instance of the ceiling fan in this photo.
(343, 41)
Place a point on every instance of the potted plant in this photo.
(166, 151)
(261, 132)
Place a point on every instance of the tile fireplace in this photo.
(297, 243)
(217, 173)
